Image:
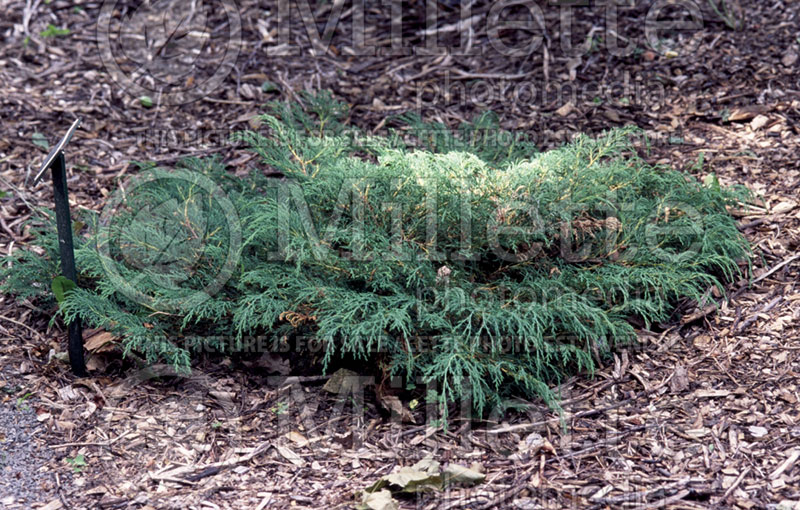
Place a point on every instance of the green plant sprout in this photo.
(280, 408)
(21, 401)
(54, 31)
(729, 11)
(700, 163)
(77, 463)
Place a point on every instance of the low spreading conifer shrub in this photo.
(438, 256)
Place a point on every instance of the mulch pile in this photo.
(702, 413)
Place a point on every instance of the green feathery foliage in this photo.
(485, 270)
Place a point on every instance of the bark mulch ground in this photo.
(702, 413)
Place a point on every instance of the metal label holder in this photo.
(57, 164)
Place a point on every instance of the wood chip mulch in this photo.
(701, 414)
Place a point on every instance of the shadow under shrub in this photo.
(497, 266)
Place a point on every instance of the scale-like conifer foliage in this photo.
(469, 261)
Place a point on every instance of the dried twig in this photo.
(775, 268)
(769, 306)
(733, 487)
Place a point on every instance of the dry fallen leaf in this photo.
(291, 456)
(564, 110)
(343, 381)
(531, 445)
(392, 403)
(680, 379)
(66, 425)
(53, 505)
(620, 366)
(97, 341)
(296, 437)
(380, 500)
(612, 115)
(67, 393)
(455, 473)
(784, 207)
(758, 122)
(273, 363)
(745, 113)
(409, 479)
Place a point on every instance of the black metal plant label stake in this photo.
(55, 161)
